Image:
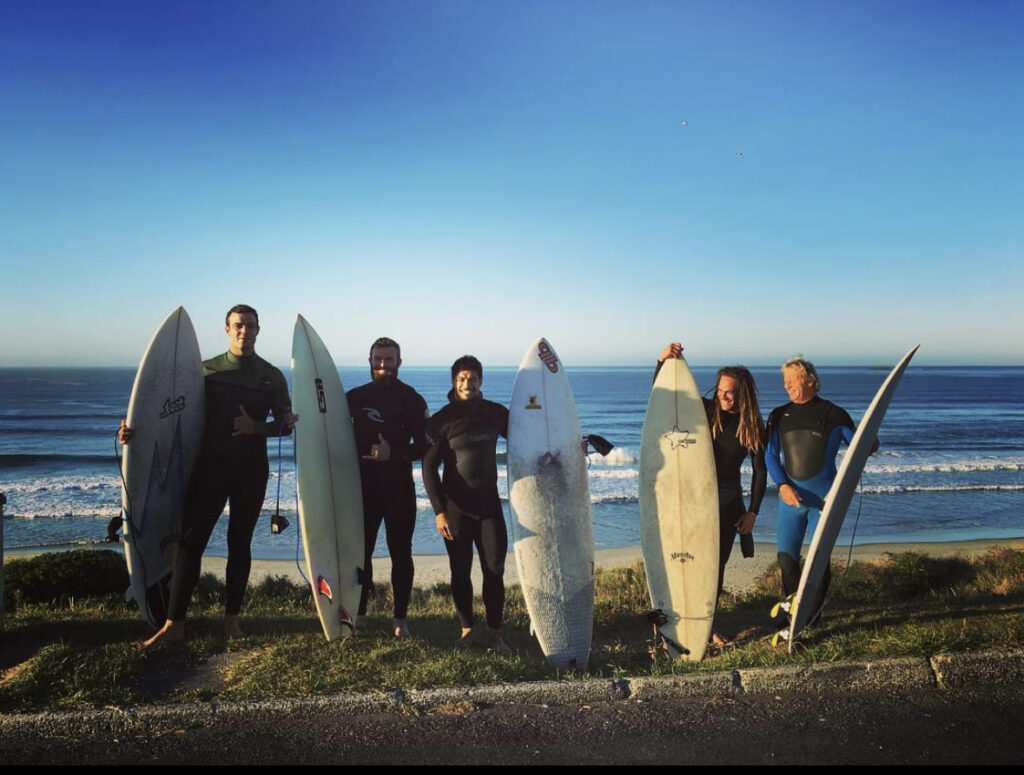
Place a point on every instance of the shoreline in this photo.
(741, 574)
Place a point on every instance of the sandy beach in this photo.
(740, 573)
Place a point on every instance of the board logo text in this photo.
(549, 358)
(172, 407)
(321, 398)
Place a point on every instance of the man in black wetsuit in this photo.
(464, 435)
(241, 390)
(390, 420)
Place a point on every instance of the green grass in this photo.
(79, 651)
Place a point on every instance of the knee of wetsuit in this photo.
(790, 567)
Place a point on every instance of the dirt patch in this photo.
(178, 673)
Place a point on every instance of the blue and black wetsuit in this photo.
(399, 414)
(803, 440)
(464, 435)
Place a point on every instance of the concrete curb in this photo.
(941, 672)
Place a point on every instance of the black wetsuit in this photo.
(464, 435)
(729, 457)
(231, 468)
(399, 414)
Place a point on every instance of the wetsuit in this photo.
(399, 414)
(803, 440)
(729, 457)
(464, 435)
(229, 468)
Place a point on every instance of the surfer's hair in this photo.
(467, 363)
(386, 341)
(750, 432)
(804, 367)
(241, 309)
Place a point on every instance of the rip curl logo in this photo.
(172, 407)
(547, 357)
(321, 397)
(683, 557)
(679, 439)
(372, 414)
(532, 403)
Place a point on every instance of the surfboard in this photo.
(166, 412)
(329, 493)
(679, 511)
(819, 557)
(552, 529)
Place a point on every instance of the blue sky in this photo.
(468, 176)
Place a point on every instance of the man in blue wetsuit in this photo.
(803, 440)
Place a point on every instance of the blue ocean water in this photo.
(950, 467)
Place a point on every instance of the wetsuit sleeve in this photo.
(759, 480)
(657, 371)
(417, 429)
(773, 453)
(282, 405)
(432, 457)
(503, 421)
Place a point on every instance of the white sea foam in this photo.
(891, 489)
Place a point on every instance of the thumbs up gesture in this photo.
(244, 424)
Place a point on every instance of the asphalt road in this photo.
(923, 726)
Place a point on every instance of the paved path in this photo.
(959, 709)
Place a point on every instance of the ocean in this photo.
(949, 467)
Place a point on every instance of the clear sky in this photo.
(754, 179)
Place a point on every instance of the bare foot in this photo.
(401, 629)
(465, 640)
(171, 632)
(498, 644)
(231, 629)
(719, 641)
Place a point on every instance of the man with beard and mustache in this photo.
(390, 420)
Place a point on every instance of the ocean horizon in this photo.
(950, 466)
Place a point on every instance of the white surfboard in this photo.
(327, 473)
(166, 412)
(679, 511)
(819, 557)
(551, 523)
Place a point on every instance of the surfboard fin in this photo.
(600, 444)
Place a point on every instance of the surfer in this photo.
(738, 431)
(241, 390)
(803, 439)
(389, 419)
(464, 436)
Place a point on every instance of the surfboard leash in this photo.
(298, 531)
(849, 555)
(278, 524)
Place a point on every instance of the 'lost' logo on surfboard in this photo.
(532, 404)
(682, 556)
(321, 399)
(679, 439)
(549, 358)
(172, 407)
